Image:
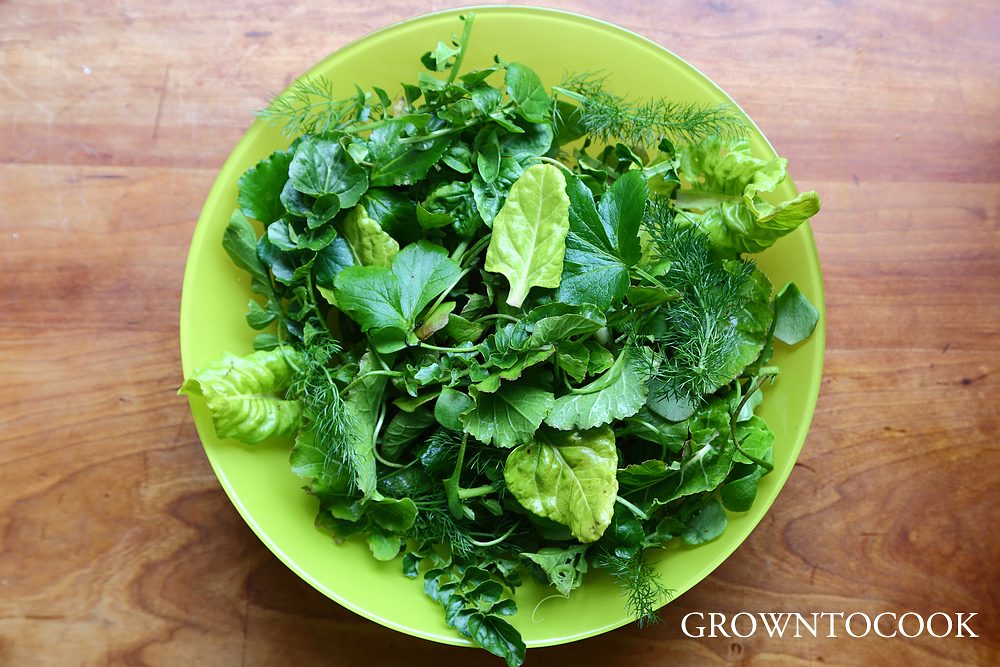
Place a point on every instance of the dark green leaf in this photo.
(260, 188)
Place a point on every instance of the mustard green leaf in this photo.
(529, 232)
(568, 477)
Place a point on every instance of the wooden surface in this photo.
(117, 545)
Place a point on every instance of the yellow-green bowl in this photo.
(259, 481)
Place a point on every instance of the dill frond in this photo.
(310, 106)
(640, 583)
(700, 337)
(329, 420)
(607, 116)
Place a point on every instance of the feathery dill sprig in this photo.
(329, 420)
(607, 116)
(640, 583)
(310, 106)
(700, 336)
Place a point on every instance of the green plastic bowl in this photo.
(258, 480)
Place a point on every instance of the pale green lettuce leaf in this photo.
(568, 477)
(246, 395)
(369, 244)
(722, 194)
(529, 232)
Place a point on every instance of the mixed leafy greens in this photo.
(511, 331)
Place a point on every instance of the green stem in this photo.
(476, 491)
(368, 374)
(632, 508)
(736, 413)
(451, 487)
(499, 316)
(493, 543)
(477, 248)
(440, 348)
(443, 132)
(463, 44)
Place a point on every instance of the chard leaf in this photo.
(387, 302)
(796, 316)
(568, 477)
(246, 395)
(529, 232)
(722, 194)
(323, 166)
(525, 88)
(397, 163)
(507, 417)
(369, 245)
(260, 188)
(617, 394)
(603, 241)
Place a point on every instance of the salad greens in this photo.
(512, 331)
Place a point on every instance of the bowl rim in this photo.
(227, 176)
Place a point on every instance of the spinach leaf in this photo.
(529, 233)
(568, 477)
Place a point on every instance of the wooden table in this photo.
(117, 545)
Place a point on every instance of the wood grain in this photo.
(117, 545)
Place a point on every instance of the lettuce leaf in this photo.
(246, 395)
(722, 195)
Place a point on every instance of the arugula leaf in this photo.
(617, 394)
(260, 188)
(723, 186)
(508, 416)
(529, 233)
(324, 167)
(246, 395)
(387, 302)
(568, 477)
(603, 241)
